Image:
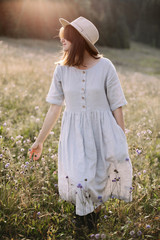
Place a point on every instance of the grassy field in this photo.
(30, 207)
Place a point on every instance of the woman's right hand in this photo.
(36, 151)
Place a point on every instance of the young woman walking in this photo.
(93, 159)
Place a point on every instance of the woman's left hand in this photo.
(36, 151)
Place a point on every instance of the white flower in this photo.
(36, 107)
(52, 133)
(132, 233)
(149, 131)
(127, 130)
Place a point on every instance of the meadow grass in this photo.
(30, 207)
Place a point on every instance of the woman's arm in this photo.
(118, 114)
(49, 122)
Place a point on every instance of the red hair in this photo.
(75, 55)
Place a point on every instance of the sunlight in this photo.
(37, 18)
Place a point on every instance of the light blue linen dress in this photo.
(93, 159)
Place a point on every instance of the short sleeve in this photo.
(55, 94)
(114, 90)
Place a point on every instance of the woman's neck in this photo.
(88, 61)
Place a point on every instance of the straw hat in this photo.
(86, 28)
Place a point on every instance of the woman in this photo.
(93, 160)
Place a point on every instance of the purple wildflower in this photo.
(99, 197)
(105, 216)
(139, 233)
(103, 236)
(38, 213)
(97, 236)
(55, 185)
(127, 159)
(148, 226)
(92, 235)
(79, 185)
(114, 180)
(129, 221)
(7, 165)
(1, 155)
(138, 151)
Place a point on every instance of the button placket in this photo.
(83, 90)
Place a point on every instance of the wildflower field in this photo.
(30, 207)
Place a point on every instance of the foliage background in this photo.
(119, 21)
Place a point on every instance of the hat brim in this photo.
(64, 23)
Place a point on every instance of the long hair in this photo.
(75, 55)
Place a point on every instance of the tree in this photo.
(148, 25)
(110, 21)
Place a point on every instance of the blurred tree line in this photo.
(118, 21)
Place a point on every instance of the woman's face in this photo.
(66, 44)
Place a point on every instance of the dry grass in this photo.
(29, 203)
